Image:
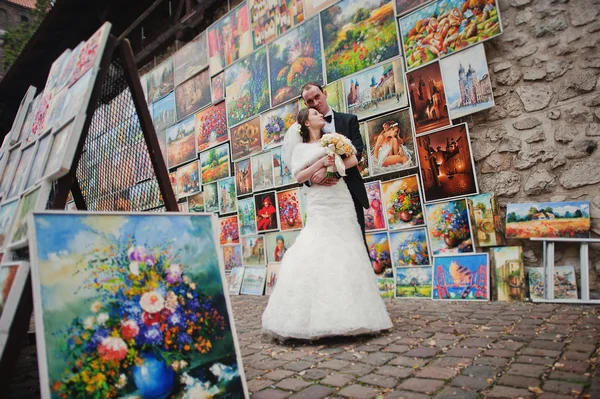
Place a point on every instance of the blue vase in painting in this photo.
(153, 378)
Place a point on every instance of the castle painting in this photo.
(467, 82)
(427, 97)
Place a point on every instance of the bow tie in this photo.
(328, 118)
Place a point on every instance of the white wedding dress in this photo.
(326, 283)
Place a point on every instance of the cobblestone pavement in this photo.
(435, 350)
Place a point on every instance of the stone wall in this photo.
(539, 143)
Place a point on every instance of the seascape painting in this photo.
(211, 127)
(160, 81)
(448, 227)
(192, 95)
(378, 245)
(409, 248)
(461, 277)
(196, 202)
(181, 142)
(403, 205)
(414, 282)
(548, 219)
(509, 273)
(214, 164)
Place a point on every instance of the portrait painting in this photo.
(446, 164)
(226, 195)
(374, 216)
(278, 242)
(217, 87)
(274, 18)
(160, 81)
(426, 91)
(215, 163)
(467, 82)
(232, 256)
(272, 276)
(254, 281)
(262, 171)
(403, 204)
(83, 268)
(294, 60)
(312, 7)
(243, 177)
(461, 277)
(391, 145)
(363, 162)
(190, 59)
(448, 227)
(484, 211)
(509, 273)
(410, 248)
(378, 245)
(414, 282)
(282, 173)
(188, 180)
(196, 202)
(8, 211)
(192, 95)
(230, 38)
(358, 35)
(288, 203)
(247, 87)
(229, 232)
(570, 219)
(164, 113)
(266, 212)
(405, 6)
(246, 212)
(376, 90)
(211, 197)
(211, 127)
(253, 250)
(245, 139)
(276, 122)
(181, 142)
(234, 280)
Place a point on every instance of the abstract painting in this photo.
(379, 252)
(403, 205)
(467, 82)
(409, 248)
(509, 273)
(196, 202)
(294, 60)
(548, 219)
(376, 90)
(254, 281)
(449, 228)
(253, 250)
(191, 58)
(413, 282)
(282, 173)
(262, 171)
(288, 203)
(229, 232)
(446, 164)
(245, 139)
(487, 223)
(227, 196)
(211, 197)
(8, 211)
(215, 163)
(181, 142)
(164, 113)
(374, 219)
(427, 98)
(91, 310)
(217, 87)
(234, 280)
(266, 212)
(247, 87)
(278, 242)
(160, 81)
(358, 35)
(230, 38)
(246, 212)
(232, 257)
(211, 127)
(461, 277)
(272, 276)
(276, 122)
(188, 180)
(243, 177)
(273, 18)
(192, 95)
(391, 145)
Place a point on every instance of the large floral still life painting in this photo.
(132, 306)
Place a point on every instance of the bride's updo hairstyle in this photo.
(301, 119)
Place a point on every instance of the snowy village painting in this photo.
(548, 219)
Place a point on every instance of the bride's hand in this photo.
(328, 160)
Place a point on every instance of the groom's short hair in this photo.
(308, 85)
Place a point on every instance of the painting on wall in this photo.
(20, 174)
(414, 282)
(211, 197)
(243, 177)
(234, 280)
(245, 139)
(82, 274)
(8, 211)
(386, 287)
(262, 171)
(487, 223)
(335, 96)
(461, 277)
(90, 53)
(266, 212)
(247, 87)
(448, 227)
(409, 248)
(211, 127)
(246, 212)
(509, 273)
(163, 112)
(191, 58)
(181, 142)
(312, 7)
(427, 98)
(376, 90)
(188, 180)
(253, 250)
(217, 87)
(192, 95)
(379, 251)
(467, 82)
(276, 122)
(272, 276)
(31, 201)
(273, 18)
(565, 284)
(403, 205)
(405, 6)
(374, 216)
(196, 202)
(230, 38)
(548, 219)
(358, 35)
(232, 257)
(446, 164)
(288, 203)
(294, 60)
(391, 145)
(254, 281)
(227, 195)
(282, 173)
(160, 80)
(215, 163)
(363, 162)
(278, 243)
(229, 232)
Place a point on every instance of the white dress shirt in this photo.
(329, 127)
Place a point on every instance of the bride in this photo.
(326, 284)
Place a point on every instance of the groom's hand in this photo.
(319, 177)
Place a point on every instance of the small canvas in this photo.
(13, 280)
(461, 277)
(53, 82)
(565, 284)
(227, 195)
(24, 109)
(8, 211)
(276, 122)
(312, 7)
(374, 216)
(229, 232)
(163, 112)
(378, 245)
(485, 216)
(77, 99)
(509, 273)
(272, 276)
(217, 87)
(246, 212)
(173, 181)
(232, 256)
(215, 163)
(288, 203)
(183, 206)
(181, 143)
(188, 180)
(274, 18)
(62, 150)
(33, 200)
(192, 95)
(230, 38)
(243, 177)
(262, 171)
(69, 67)
(245, 139)
(278, 243)
(254, 281)
(211, 127)
(413, 282)
(196, 202)
(266, 212)
(20, 173)
(403, 204)
(160, 81)
(282, 173)
(91, 52)
(234, 280)
(211, 197)
(190, 59)
(548, 219)
(363, 162)
(410, 248)
(25, 129)
(253, 250)
(448, 227)
(56, 109)
(386, 287)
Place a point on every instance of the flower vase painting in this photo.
(275, 124)
(484, 211)
(246, 212)
(188, 180)
(374, 219)
(403, 205)
(449, 228)
(229, 232)
(507, 263)
(294, 60)
(288, 203)
(211, 127)
(245, 139)
(121, 297)
(461, 277)
(409, 248)
(378, 245)
(413, 282)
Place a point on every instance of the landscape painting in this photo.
(288, 203)
(211, 127)
(278, 243)
(232, 257)
(414, 282)
(188, 180)
(282, 173)
(245, 139)
(461, 277)
(357, 35)
(181, 143)
(487, 223)
(376, 90)
(448, 227)
(446, 164)
(211, 197)
(243, 177)
(229, 232)
(160, 81)
(374, 218)
(192, 95)
(215, 164)
(409, 248)
(428, 98)
(254, 281)
(402, 201)
(84, 266)
(548, 219)
(363, 162)
(378, 245)
(391, 145)
(467, 82)
(294, 60)
(227, 196)
(163, 112)
(246, 212)
(386, 287)
(191, 58)
(234, 280)
(276, 122)
(262, 171)
(507, 264)
(8, 210)
(196, 202)
(253, 250)
(247, 87)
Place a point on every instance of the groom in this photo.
(315, 97)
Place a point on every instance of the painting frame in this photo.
(453, 238)
(288, 209)
(507, 269)
(272, 277)
(8, 212)
(19, 121)
(484, 211)
(408, 270)
(165, 84)
(376, 209)
(243, 176)
(275, 122)
(211, 201)
(181, 142)
(462, 271)
(258, 287)
(192, 58)
(544, 214)
(227, 184)
(378, 246)
(232, 256)
(220, 151)
(21, 171)
(282, 173)
(245, 139)
(36, 200)
(411, 210)
(15, 295)
(192, 95)
(246, 223)
(234, 280)
(213, 119)
(217, 87)
(422, 255)
(229, 231)
(260, 180)
(267, 217)
(164, 112)
(185, 176)
(274, 252)
(64, 159)
(257, 242)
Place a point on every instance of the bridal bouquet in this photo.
(337, 145)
